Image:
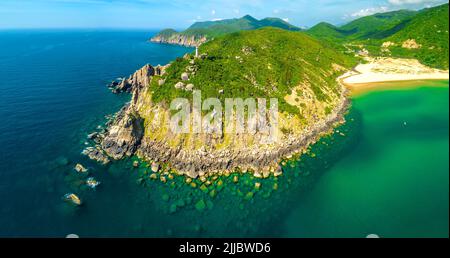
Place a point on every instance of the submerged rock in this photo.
(213, 193)
(62, 161)
(200, 205)
(173, 208)
(155, 167)
(204, 189)
(249, 196)
(96, 154)
(93, 135)
(92, 183)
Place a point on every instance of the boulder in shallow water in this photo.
(80, 168)
(96, 154)
(62, 161)
(173, 208)
(92, 183)
(155, 167)
(72, 198)
(93, 135)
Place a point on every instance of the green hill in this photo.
(412, 34)
(277, 23)
(327, 31)
(429, 29)
(267, 62)
(202, 31)
(296, 69)
(378, 25)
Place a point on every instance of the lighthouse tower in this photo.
(196, 51)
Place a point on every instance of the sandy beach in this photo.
(380, 72)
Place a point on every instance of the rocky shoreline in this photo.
(125, 137)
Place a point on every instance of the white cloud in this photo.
(369, 11)
(286, 19)
(236, 11)
(276, 11)
(406, 2)
(213, 12)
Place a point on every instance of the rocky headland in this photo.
(309, 109)
(201, 32)
(125, 137)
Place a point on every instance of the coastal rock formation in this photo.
(313, 105)
(124, 136)
(179, 39)
(200, 32)
(138, 79)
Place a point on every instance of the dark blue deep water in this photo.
(53, 92)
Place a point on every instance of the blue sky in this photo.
(180, 14)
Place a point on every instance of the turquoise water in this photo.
(394, 180)
(376, 175)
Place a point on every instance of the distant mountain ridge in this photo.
(422, 34)
(200, 32)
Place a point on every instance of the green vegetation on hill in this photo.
(327, 31)
(378, 25)
(428, 28)
(267, 62)
(211, 29)
(167, 32)
(374, 26)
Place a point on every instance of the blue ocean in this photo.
(54, 93)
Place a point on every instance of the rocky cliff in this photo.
(131, 133)
(199, 32)
(138, 79)
(179, 39)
